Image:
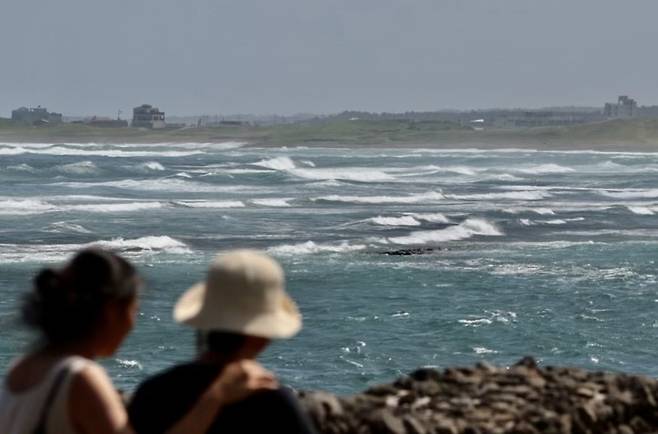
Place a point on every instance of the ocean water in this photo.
(550, 254)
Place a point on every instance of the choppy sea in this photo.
(550, 254)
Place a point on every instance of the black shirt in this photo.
(164, 399)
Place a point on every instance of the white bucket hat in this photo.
(243, 293)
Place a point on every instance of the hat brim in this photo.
(283, 322)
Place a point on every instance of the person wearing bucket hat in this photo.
(240, 307)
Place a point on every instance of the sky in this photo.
(190, 57)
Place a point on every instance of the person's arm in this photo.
(95, 407)
(237, 381)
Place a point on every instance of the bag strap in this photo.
(41, 426)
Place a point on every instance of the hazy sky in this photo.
(288, 56)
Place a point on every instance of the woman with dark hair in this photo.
(84, 311)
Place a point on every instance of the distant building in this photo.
(147, 116)
(35, 116)
(624, 108)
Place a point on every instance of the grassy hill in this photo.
(639, 134)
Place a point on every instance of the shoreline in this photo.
(613, 136)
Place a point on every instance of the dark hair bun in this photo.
(48, 281)
(66, 304)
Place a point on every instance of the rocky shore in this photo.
(521, 399)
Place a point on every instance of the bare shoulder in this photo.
(94, 404)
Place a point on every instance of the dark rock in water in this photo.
(409, 252)
(521, 399)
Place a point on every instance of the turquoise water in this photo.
(550, 254)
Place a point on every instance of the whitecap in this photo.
(68, 227)
(431, 196)
(310, 247)
(631, 193)
(210, 204)
(163, 184)
(119, 153)
(25, 207)
(273, 202)
(277, 163)
(162, 243)
(464, 230)
(115, 207)
(484, 350)
(513, 195)
(540, 211)
(546, 169)
(79, 168)
(642, 210)
(430, 217)
(395, 221)
(149, 166)
(11, 253)
(22, 168)
(129, 364)
(358, 174)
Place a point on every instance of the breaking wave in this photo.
(12, 253)
(643, 210)
(210, 204)
(25, 207)
(431, 196)
(395, 221)
(430, 217)
(273, 202)
(79, 168)
(83, 151)
(464, 230)
(310, 247)
(512, 195)
(545, 169)
(631, 193)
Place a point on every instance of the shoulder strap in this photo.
(41, 426)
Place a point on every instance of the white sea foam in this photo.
(273, 202)
(114, 207)
(22, 168)
(430, 217)
(278, 163)
(149, 166)
(11, 253)
(129, 364)
(545, 169)
(150, 244)
(310, 247)
(643, 210)
(632, 193)
(464, 230)
(512, 195)
(64, 227)
(428, 197)
(484, 350)
(210, 204)
(358, 174)
(540, 211)
(163, 184)
(25, 206)
(395, 221)
(79, 168)
(82, 151)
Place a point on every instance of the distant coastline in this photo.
(616, 135)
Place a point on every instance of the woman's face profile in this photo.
(118, 320)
